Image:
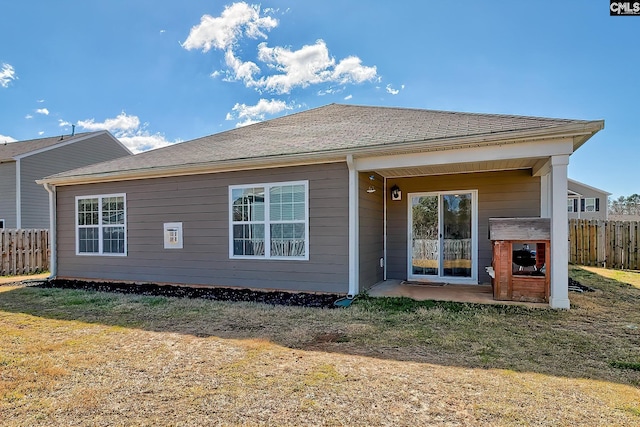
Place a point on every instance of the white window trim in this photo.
(100, 225)
(267, 221)
(586, 203)
(474, 239)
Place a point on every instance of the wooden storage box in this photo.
(521, 258)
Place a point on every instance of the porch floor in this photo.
(477, 294)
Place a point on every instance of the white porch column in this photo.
(354, 263)
(559, 297)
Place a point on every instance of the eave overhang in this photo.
(579, 132)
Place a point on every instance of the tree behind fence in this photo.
(23, 251)
(613, 244)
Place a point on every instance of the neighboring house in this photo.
(333, 199)
(586, 202)
(25, 204)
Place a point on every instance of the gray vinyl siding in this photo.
(371, 224)
(201, 203)
(587, 193)
(500, 194)
(8, 193)
(34, 198)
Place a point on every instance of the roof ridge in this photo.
(466, 113)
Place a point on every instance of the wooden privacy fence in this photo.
(612, 244)
(23, 251)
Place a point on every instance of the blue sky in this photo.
(156, 72)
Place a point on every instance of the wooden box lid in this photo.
(519, 229)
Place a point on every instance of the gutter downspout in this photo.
(353, 229)
(53, 266)
(18, 195)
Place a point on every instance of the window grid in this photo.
(276, 213)
(100, 225)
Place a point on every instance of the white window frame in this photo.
(101, 226)
(474, 239)
(586, 204)
(571, 205)
(267, 221)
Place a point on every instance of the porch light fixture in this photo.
(371, 188)
(396, 194)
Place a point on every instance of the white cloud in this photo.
(40, 101)
(28, 116)
(6, 139)
(309, 65)
(63, 123)
(348, 97)
(41, 133)
(7, 74)
(393, 91)
(43, 111)
(122, 122)
(249, 114)
(286, 69)
(241, 70)
(143, 141)
(237, 20)
(129, 130)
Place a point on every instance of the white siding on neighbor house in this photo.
(8, 193)
(586, 193)
(201, 204)
(34, 198)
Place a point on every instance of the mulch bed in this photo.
(301, 299)
(214, 293)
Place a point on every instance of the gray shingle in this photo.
(11, 149)
(325, 129)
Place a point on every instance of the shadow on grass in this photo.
(598, 339)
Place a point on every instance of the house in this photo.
(586, 202)
(25, 204)
(333, 199)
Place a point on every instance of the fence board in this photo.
(23, 251)
(614, 244)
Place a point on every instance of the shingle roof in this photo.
(10, 150)
(327, 129)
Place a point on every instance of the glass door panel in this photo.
(425, 253)
(442, 236)
(456, 235)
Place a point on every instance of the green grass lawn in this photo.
(86, 358)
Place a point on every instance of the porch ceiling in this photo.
(456, 168)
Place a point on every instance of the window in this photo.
(1, 224)
(269, 221)
(100, 225)
(590, 204)
(570, 205)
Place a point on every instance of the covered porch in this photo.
(514, 178)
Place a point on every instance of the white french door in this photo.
(443, 236)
